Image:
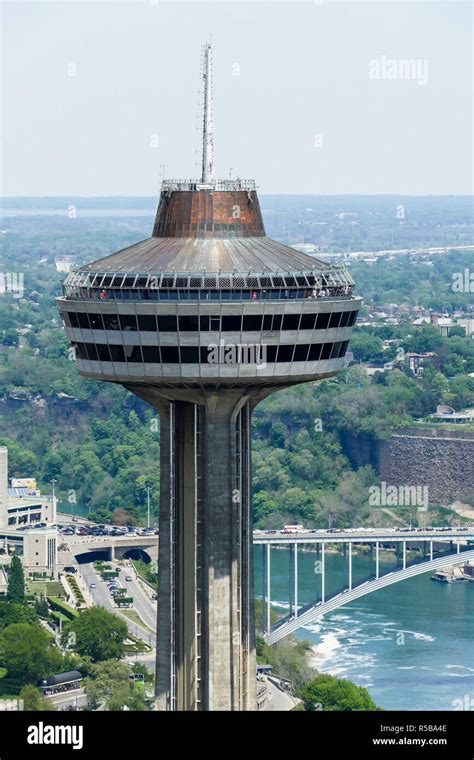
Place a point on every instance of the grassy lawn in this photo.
(135, 618)
(45, 588)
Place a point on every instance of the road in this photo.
(145, 607)
(102, 598)
(76, 698)
(380, 534)
(278, 701)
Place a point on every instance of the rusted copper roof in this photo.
(209, 214)
(255, 254)
(211, 231)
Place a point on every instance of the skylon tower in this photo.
(203, 320)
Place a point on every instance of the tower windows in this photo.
(147, 322)
(128, 322)
(199, 354)
(167, 324)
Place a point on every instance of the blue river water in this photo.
(411, 644)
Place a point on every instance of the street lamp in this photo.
(53, 508)
(148, 505)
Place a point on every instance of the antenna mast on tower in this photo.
(207, 127)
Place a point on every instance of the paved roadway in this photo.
(76, 698)
(102, 598)
(278, 700)
(146, 607)
(383, 534)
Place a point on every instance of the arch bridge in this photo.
(435, 549)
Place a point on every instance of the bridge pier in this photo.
(323, 573)
(269, 548)
(296, 580)
(350, 565)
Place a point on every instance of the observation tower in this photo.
(203, 320)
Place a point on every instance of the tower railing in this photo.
(191, 185)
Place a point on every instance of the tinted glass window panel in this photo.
(271, 352)
(343, 348)
(353, 317)
(133, 353)
(301, 352)
(344, 318)
(307, 321)
(147, 322)
(214, 323)
(170, 354)
(167, 324)
(103, 352)
(277, 320)
(151, 354)
(73, 319)
(111, 322)
(189, 354)
(204, 323)
(326, 352)
(96, 322)
(314, 352)
(252, 322)
(128, 322)
(189, 323)
(322, 321)
(83, 321)
(267, 322)
(117, 353)
(335, 350)
(81, 351)
(291, 321)
(232, 324)
(335, 319)
(285, 353)
(91, 351)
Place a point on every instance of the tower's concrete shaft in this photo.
(206, 649)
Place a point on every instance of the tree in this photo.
(333, 694)
(33, 700)
(13, 612)
(100, 635)
(28, 652)
(122, 517)
(367, 347)
(109, 683)
(16, 581)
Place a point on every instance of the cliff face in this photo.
(442, 460)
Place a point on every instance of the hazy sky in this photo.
(322, 102)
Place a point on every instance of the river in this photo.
(411, 644)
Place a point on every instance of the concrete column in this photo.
(268, 595)
(296, 580)
(323, 573)
(3, 488)
(206, 650)
(377, 563)
(350, 565)
(404, 555)
(431, 551)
